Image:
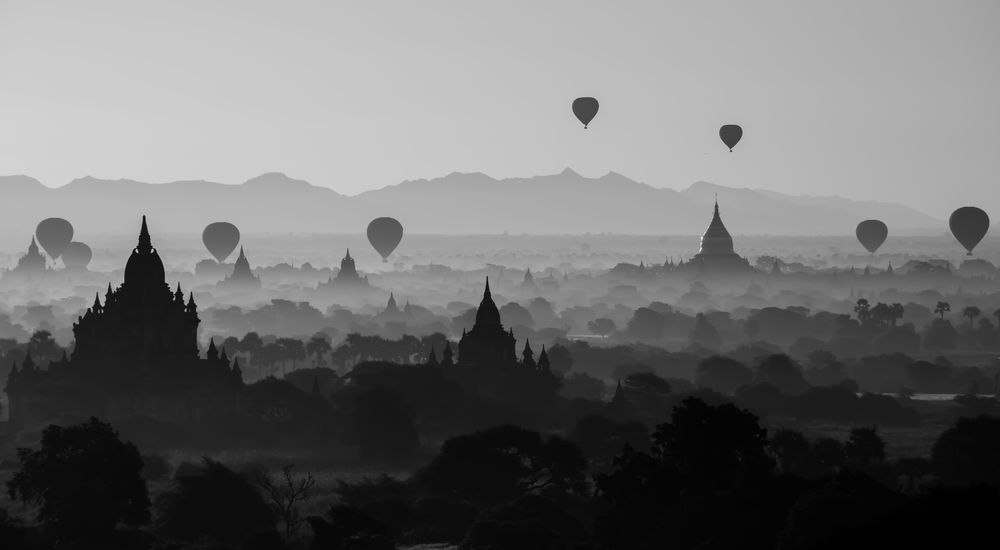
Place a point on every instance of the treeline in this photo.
(709, 476)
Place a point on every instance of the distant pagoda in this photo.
(716, 254)
(242, 276)
(347, 277)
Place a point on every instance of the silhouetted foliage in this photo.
(382, 426)
(345, 528)
(781, 372)
(84, 479)
(708, 461)
(722, 374)
(602, 439)
(530, 522)
(969, 452)
(498, 464)
(212, 502)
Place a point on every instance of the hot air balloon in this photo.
(77, 254)
(54, 234)
(220, 239)
(731, 134)
(585, 108)
(871, 234)
(385, 234)
(969, 225)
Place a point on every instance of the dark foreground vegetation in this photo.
(707, 476)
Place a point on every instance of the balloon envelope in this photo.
(969, 225)
(77, 254)
(730, 134)
(385, 234)
(871, 234)
(220, 239)
(585, 108)
(54, 234)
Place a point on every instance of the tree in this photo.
(969, 452)
(85, 479)
(896, 312)
(864, 447)
(560, 358)
(714, 445)
(213, 502)
(791, 449)
(317, 347)
(940, 335)
(941, 308)
(346, 528)
(971, 312)
(880, 315)
(707, 462)
(863, 310)
(782, 372)
(722, 374)
(499, 464)
(251, 343)
(292, 349)
(601, 439)
(383, 426)
(647, 382)
(704, 334)
(581, 385)
(285, 494)
(645, 324)
(602, 327)
(42, 347)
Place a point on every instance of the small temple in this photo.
(242, 276)
(716, 254)
(347, 277)
(31, 264)
(487, 343)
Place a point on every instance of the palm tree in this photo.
(318, 346)
(941, 308)
(971, 312)
(863, 309)
(880, 314)
(896, 312)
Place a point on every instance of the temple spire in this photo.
(145, 243)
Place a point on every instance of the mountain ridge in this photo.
(457, 203)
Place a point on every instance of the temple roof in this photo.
(487, 314)
(716, 240)
(144, 266)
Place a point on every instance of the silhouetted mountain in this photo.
(459, 203)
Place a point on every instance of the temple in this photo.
(716, 253)
(136, 355)
(30, 265)
(392, 311)
(487, 344)
(242, 276)
(347, 277)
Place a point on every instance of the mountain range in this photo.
(459, 203)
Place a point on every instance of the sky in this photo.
(871, 100)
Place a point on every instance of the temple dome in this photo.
(487, 314)
(716, 241)
(144, 266)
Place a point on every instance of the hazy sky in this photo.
(868, 99)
